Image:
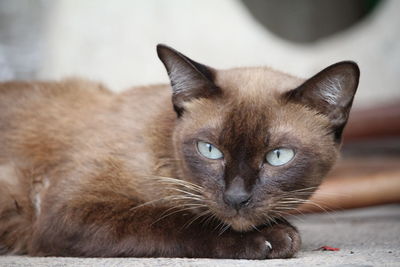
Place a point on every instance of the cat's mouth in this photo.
(244, 220)
(240, 223)
(240, 220)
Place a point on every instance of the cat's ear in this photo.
(189, 79)
(331, 93)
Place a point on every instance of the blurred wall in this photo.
(114, 42)
(22, 30)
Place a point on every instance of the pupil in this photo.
(278, 153)
(209, 148)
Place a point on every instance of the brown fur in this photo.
(86, 172)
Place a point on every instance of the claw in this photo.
(268, 244)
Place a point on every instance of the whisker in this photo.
(152, 201)
(304, 189)
(194, 205)
(171, 213)
(182, 197)
(209, 219)
(186, 225)
(176, 181)
(224, 229)
(186, 192)
(255, 228)
(183, 185)
(268, 219)
(284, 208)
(318, 206)
(285, 214)
(292, 201)
(219, 225)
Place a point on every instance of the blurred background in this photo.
(114, 42)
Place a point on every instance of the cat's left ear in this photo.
(189, 79)
(330, 92)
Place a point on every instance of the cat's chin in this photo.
(240, 223)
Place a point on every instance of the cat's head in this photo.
(256, 141)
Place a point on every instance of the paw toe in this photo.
(268, 245)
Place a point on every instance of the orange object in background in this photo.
(356, 191)
(369, 172)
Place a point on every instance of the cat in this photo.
(90, 173)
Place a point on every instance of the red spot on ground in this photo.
(327, 248)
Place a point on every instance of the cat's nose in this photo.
(237, 199)
(236, 194)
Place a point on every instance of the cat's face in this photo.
(257, 142)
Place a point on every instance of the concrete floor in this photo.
(366, 237)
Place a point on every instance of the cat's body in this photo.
(86, 172)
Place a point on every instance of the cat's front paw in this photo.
(278, 241)
(283, 241)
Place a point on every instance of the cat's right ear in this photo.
(189, 79)
(331, 93)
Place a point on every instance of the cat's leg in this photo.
(110, 227)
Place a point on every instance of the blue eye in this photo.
(279, 156)
(209, 151)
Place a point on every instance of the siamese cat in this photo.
(89, 173)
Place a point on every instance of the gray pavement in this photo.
(366, 237)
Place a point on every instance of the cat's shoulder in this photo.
(52, 97)
(71, 85)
